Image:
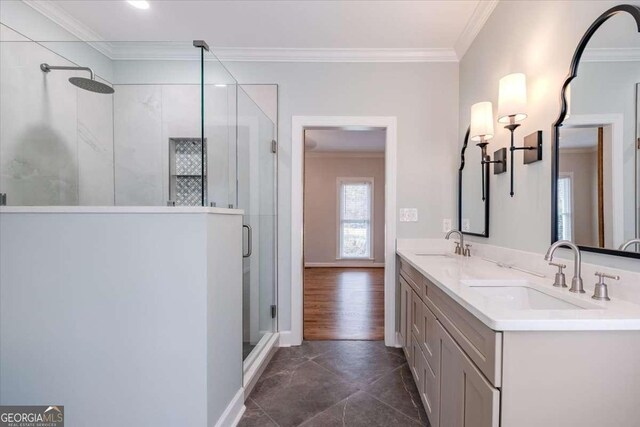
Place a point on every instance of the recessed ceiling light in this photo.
(139, 4)
(220, 85)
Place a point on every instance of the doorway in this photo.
(301, 124)
(590, 206)
(344, 223)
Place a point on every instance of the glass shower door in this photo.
(256, 168)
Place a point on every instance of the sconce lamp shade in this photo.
(512, 98)
(481, 121)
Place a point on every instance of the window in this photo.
(355, 204)
(565, 207)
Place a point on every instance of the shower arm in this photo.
(46, 68)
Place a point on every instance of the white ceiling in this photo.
(337, 140)
(303, 24)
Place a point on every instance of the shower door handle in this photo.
(249, 241)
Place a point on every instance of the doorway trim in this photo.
(298, 126)
(616, 121)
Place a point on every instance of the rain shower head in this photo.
(91, 85)
(83, 83)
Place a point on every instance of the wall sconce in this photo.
(512, 107)
(482, 131)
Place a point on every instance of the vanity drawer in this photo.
(482, 344)
(412, 276)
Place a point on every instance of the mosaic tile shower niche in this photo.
(185, 171)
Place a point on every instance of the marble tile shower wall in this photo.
(146, 117)
(60, 145)
(56, 141)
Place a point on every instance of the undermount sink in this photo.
(444, 255)
(519, 296)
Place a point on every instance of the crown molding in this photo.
(161, 51)
(58, 15)
(335, 55)
(611, 55)
(477, 20)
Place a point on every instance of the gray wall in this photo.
(539, 39)
(424, 98)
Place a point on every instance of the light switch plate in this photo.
(408, 215)
(446, 225)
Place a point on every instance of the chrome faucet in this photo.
(459, 245)
(625, 245)
(576, 282)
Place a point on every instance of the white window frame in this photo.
(569, 176)
(347, 180)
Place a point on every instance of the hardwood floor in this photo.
(344, 303)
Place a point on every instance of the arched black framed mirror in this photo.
(473, 193)
(595, 159)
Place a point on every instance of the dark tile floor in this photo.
(335, 383)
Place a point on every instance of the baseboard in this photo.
(348, 264)
(258, 365)
(399, 342)
(233, 412)
(287, 339)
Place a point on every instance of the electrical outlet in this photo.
(466, 224)
(408, 215)
(446, 225)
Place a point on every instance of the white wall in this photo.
(539, 39)
(423, 96)
(127, 310)
(322, 171)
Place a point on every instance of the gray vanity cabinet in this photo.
(453, 390)
(429, 386)
(416, 317)
(405, 327)
(470, 375)
(467, 398)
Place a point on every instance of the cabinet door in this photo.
(467, 399)
(415, 362)
(403, 311)
(416, 315)
(429, 388)
(430, 338)
(405, 317)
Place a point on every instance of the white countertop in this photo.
(454, 275)
(119, 210)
